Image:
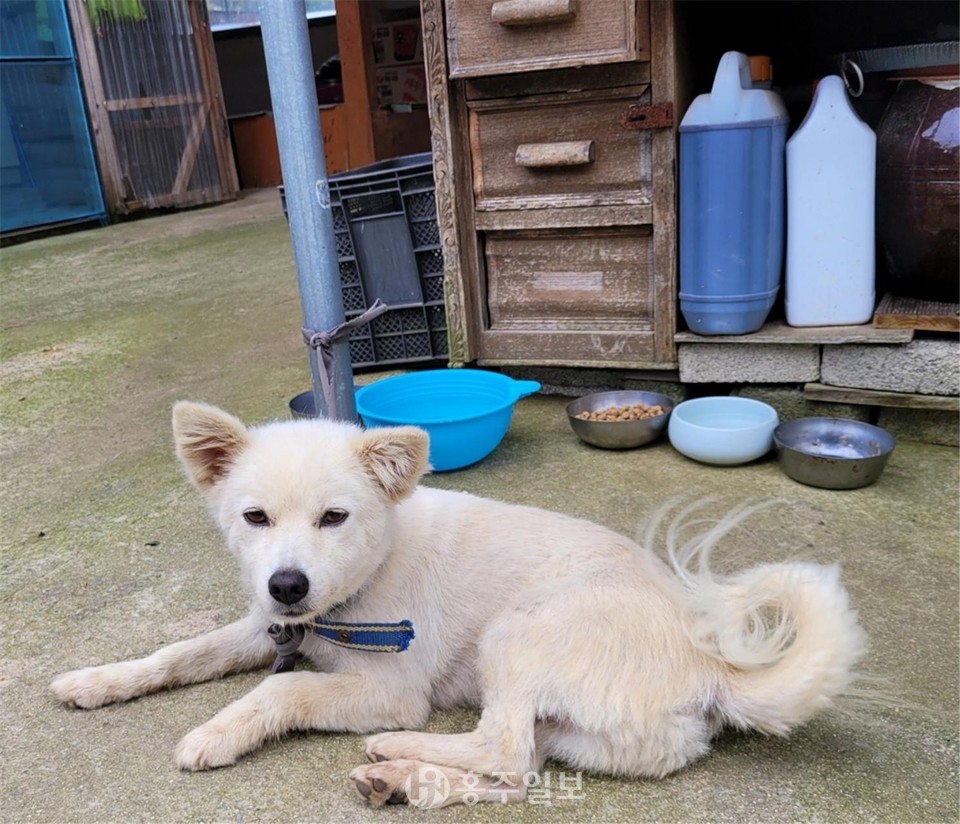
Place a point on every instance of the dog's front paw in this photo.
(406, 781)
(206, 747)
(90, 687)
(385, 783)
(394, 746)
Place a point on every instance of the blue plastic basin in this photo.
(466, 412)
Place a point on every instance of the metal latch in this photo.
(636, 117)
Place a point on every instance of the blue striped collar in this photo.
(367, 637)
(364, 637)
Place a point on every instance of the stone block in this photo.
(929, 366)
(748, 363)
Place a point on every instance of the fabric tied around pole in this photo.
(322, 343)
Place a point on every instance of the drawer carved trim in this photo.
(438, 104)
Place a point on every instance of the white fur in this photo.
(579, 644)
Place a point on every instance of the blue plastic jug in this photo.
(731, 203)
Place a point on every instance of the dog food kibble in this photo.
(634, 412)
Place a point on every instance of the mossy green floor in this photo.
(107, 554)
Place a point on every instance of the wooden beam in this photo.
(777, 331)
(507, 220)
(664, 182)
(451, 170)
(111, 173)
(134, 103)
(189, 157)
(873, 397)
(356, 61)
(217, 110)
(192, 197)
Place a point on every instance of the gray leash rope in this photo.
(322, 344)
(288, 640)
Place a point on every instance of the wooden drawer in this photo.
(559, 150)
(584, 295)
(504, 36)
(569, 278)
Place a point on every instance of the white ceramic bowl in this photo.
(722, 430)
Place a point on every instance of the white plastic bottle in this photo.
(831, 191)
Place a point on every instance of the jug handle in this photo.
(732, 78)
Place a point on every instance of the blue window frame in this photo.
(48, 172)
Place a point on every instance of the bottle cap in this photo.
(761, 68)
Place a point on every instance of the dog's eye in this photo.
(256, 517)
(333, 517)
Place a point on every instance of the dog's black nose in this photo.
(288, 586)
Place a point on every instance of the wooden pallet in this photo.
(896, 312)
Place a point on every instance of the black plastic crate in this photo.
(388, 246)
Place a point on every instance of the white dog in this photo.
(578, 644)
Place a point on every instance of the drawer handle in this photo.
(550, 155)
(532, 12)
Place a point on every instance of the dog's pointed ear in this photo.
(395, 457)
(207, 441)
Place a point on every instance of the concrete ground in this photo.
(108, 554)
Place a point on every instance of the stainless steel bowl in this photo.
(619, 434)
(832, 453)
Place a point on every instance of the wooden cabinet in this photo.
(554, 155)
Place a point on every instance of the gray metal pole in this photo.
(293, 94)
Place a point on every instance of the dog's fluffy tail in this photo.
(785, 634)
